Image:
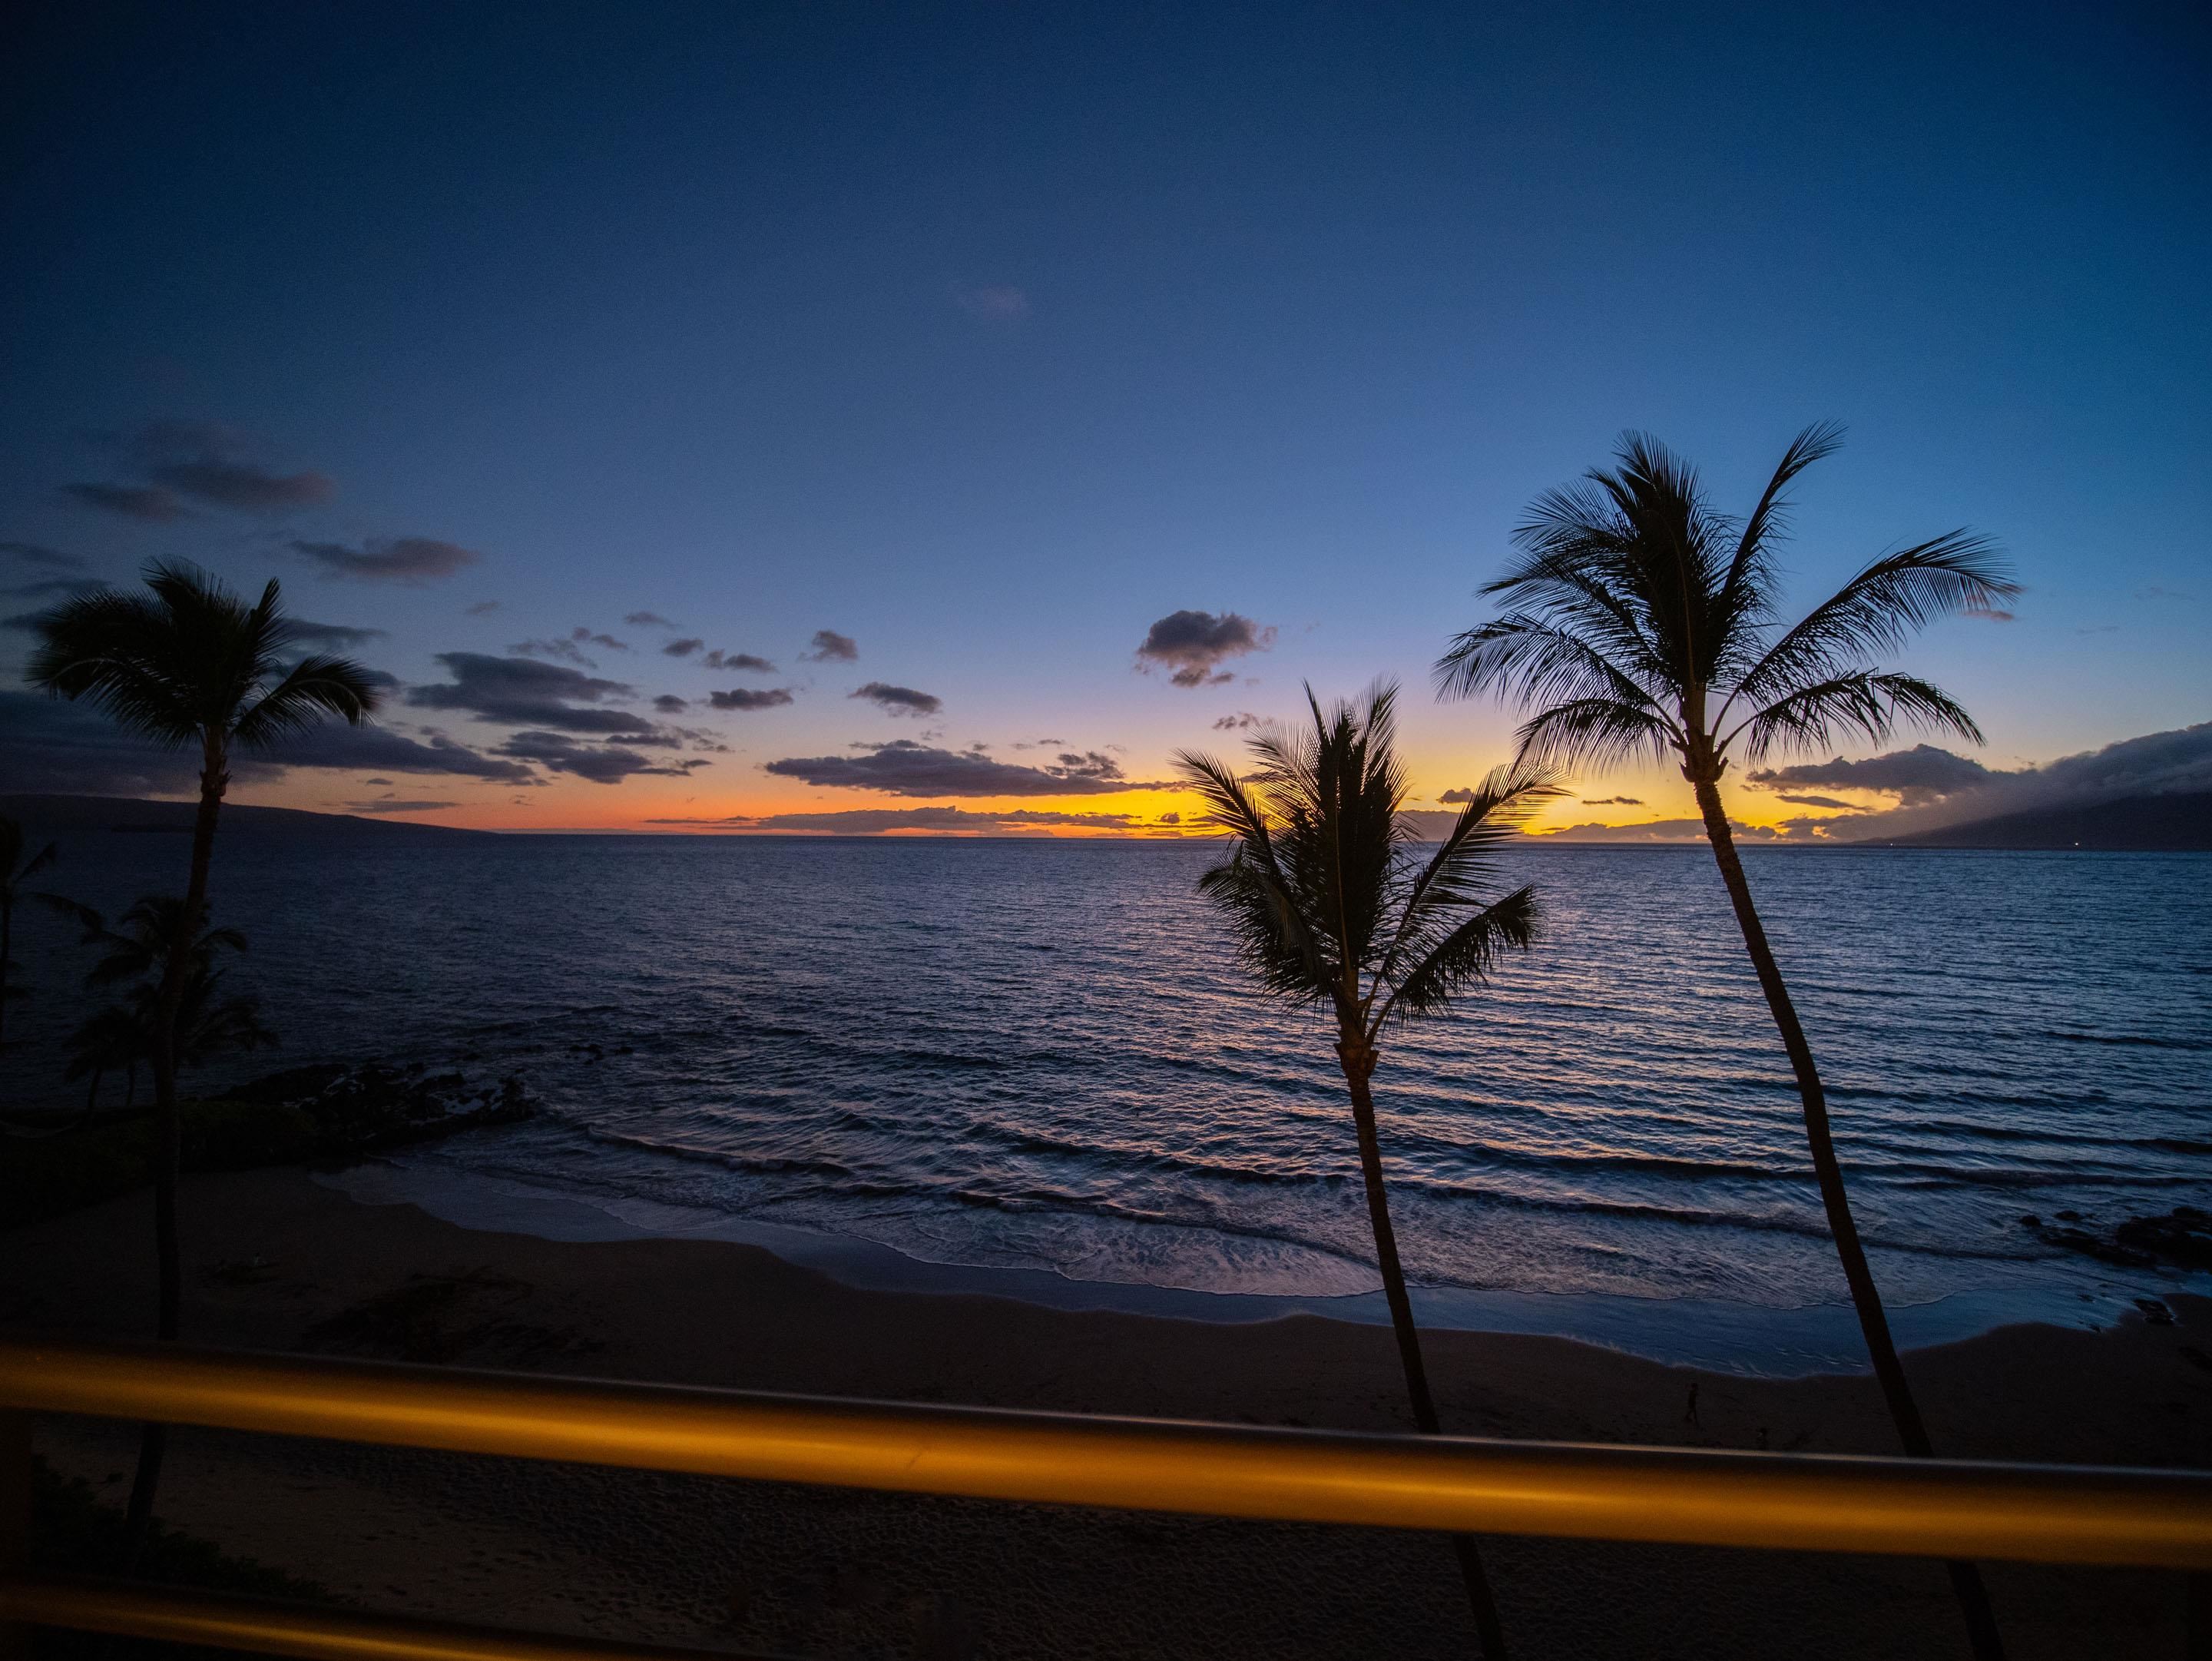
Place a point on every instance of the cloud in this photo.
(335, 635)
(483, 608)
(386, 804)
(1602, 801)
(742, 661)
(1170, 819)
(592, 638)
(669, 704)
(564, 648)
(683, 649)
(386, 781)
(1237, 722)
(899, 700)
(1816, 801)
(149, 502)
(829, 646)
(213, 463)
(2156, 763)
(59, 587)
(608, 765)
(908, 769)
(244, 486)
(1194, 643)
(51, 559)
(528, 693)
(410, 560)
(1656, 830)
(1461, 794)
(379, 749)
(874, 821)
(52, 745)
(1919, 775)
(647, 620)
(998, 302)
(745, 697)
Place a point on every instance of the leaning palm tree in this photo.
(187, 663)
(1639, 622)
(1332, 904)
(14, 871)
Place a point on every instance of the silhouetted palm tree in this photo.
(188, 664)
(1641, 623)
(14, 871)
(1332, 904)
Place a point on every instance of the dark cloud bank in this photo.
(1934, 789)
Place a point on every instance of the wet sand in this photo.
(277, 1261)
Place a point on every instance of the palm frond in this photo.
(1871, 706)
(1750, 573)
(317, 686)
(1879, 609)
(1464, 863)
(1597, 733)
(1464, 957)
(1531, 660)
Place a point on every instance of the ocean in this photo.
(1033, 1066)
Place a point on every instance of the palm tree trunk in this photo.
(169, 1137)
(7, 942)
(1866, 1298)
(1487, 1625)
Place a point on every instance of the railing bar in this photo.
(169, 1615)
(1697, 1497)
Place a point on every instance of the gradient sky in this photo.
(988, 335)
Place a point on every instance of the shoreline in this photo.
(276, 1260)
(1712, 1335)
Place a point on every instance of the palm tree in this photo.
(14, 872)
(209, 1024)
(1330, 904)
(187, 663)
(1641, 623)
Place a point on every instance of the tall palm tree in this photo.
(1639, 622)
(188, 664)
(14, 871)
(1331, 904)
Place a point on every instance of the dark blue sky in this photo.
(986, 336)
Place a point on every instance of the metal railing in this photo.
(1813, 1502)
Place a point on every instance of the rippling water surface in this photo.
(1040, 1055)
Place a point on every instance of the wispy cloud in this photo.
(995, 302)
(875, 821)
(51, 559)
(899, 700)
(149, 502)
(409, 560)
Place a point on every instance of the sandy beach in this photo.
(277, 1261)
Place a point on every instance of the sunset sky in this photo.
(1028, 392)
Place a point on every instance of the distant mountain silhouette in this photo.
(2180, 823)
(46, 816)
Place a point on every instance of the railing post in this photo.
(14, 1521)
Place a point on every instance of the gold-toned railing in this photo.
(1949, 1508)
